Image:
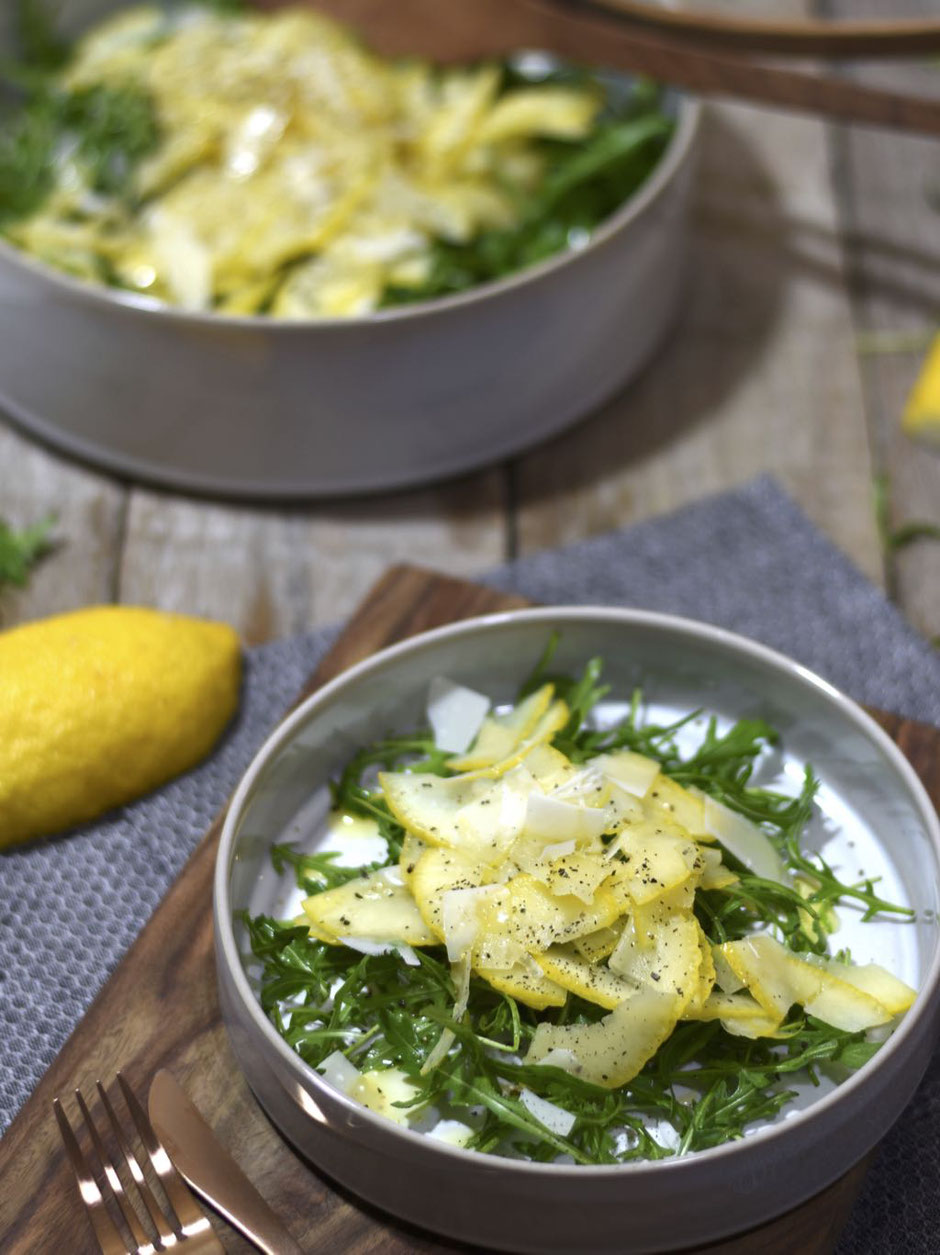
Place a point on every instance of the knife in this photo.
(210, 1170)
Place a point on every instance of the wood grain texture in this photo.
(160, 1009)
(760, 373)
(589, 35)
(272, 572)
(880, 37)
(889, 196)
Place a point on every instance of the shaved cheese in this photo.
(452, 1132)
(339, 1072)
(455, 714)
(581, 785)
(555, 1119)
(634, 773)
(667, 956)
(380, 1090)
(559, 1057)
(715, 875)
(744, 840)
(186, 260)
(461, 911)
(500, 735)
(559, 850)
(364, 946)
(557, 820)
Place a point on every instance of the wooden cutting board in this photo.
(160, 1009)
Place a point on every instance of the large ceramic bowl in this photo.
(254, 407)
(874, 816)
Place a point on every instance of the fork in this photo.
(190, 1227)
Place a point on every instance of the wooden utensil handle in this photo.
(600, 41)
(857, 40)
(738, 78)
(469, 30)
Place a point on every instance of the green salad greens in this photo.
(629, 961)
(295, 173)
(21, 548)
(584, 183)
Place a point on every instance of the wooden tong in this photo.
(710, 55)
(859, 40)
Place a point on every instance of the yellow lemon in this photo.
(922, 413)
(101, 705)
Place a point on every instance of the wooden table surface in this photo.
(813, 246)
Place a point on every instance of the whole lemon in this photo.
(101, 705)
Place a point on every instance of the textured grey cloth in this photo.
(748, 560)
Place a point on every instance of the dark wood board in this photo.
(160, 1009)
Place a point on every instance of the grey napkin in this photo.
(747, 560)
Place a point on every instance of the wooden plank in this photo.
(887, 190)
(160, 1009)
(275, 572)
(89, 509)
(760, 374)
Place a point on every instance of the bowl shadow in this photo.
(745, 248)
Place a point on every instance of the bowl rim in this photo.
(769, 1135)
(674, 158)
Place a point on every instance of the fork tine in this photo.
(145, 1244)
(109, 1239)
(192, 1220)
(161, 1223)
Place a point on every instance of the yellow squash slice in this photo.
(594, 982)
(666, 955)
(528, 985)
(501, 735)
(374, 908)
(436, 872)
(777, 979)
(611, 1052)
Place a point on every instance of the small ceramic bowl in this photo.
(271, 409)
(874, 818)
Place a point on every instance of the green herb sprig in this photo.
(21, 549)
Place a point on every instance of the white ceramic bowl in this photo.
(875, 816)
(259, 408)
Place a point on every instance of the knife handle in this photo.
(210, 1170)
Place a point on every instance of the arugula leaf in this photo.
(315, 873)
(708, 1085)
(115, 128)
(26, 144)
(584, 182)
(21, 550)
(40, 45)
(109, 129)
